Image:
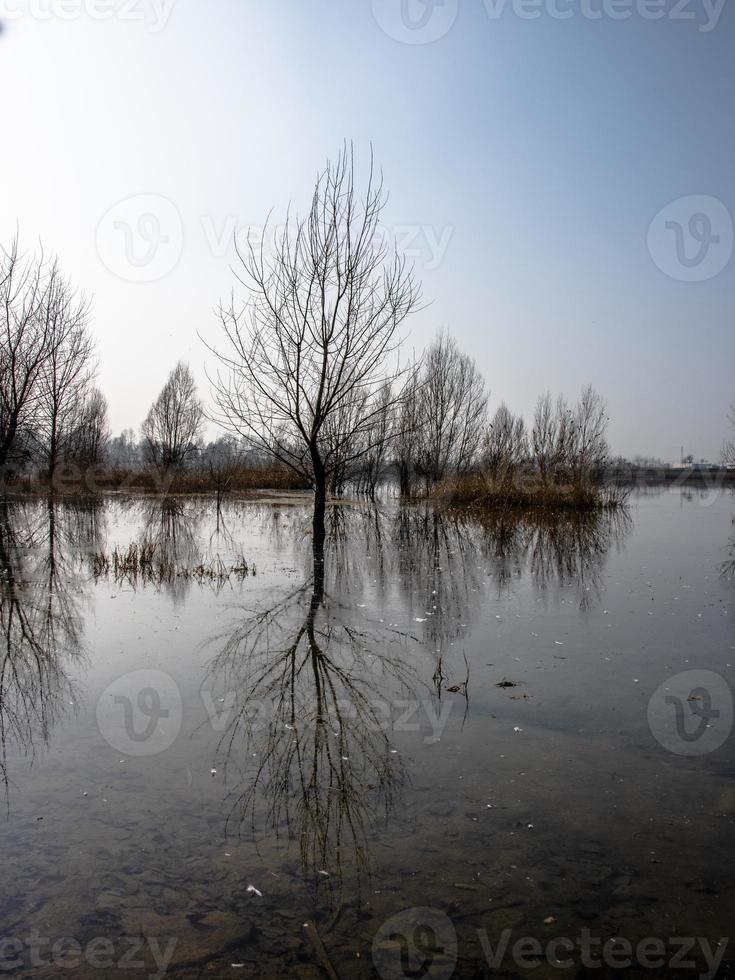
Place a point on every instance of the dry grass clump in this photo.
(527, 493)
(145, 562)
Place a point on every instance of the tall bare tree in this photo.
(589, 441)
(26, 341)
(304, 358)
(65, 379)
(174, 421)
(452, 411)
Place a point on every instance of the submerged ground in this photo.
(493, 747)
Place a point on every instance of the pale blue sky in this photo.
(529, 156)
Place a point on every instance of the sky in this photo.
(562, 172)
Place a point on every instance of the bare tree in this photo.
(344, 441)
(589, 439)
(728, 449)
(90, 436)
(66, 374)
(306, 355)
(452, 411)
(382, 436)
(174, 421)
(123, 451)
(406, 430)
(552, 435)
(224, 458)
(26, 341)
(505, 445)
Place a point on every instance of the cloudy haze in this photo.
(563, 174)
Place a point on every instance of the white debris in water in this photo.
(213, 772)
(517, 729)
(252, 890)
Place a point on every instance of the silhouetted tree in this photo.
(451, 411)
(589, 439)
(28, 338)
(90, 436)
(306, 357)
(174, 421)
(65, 379)
(551, 435)
(505, 445)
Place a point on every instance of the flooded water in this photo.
(461, 748)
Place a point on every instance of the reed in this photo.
(144, 561)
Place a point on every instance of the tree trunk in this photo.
(320, 507)
(320, 504)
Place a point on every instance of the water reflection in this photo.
(310, 735)
(307, 684)
(171, 530)
(728, 567)
(41, 622)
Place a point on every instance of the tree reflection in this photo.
(170, 529)
(728, 567)
(308, 681)
(40, 620)
(312, 720)
(559, 551)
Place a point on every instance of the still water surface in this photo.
(465, 719)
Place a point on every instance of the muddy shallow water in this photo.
(478, 748)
